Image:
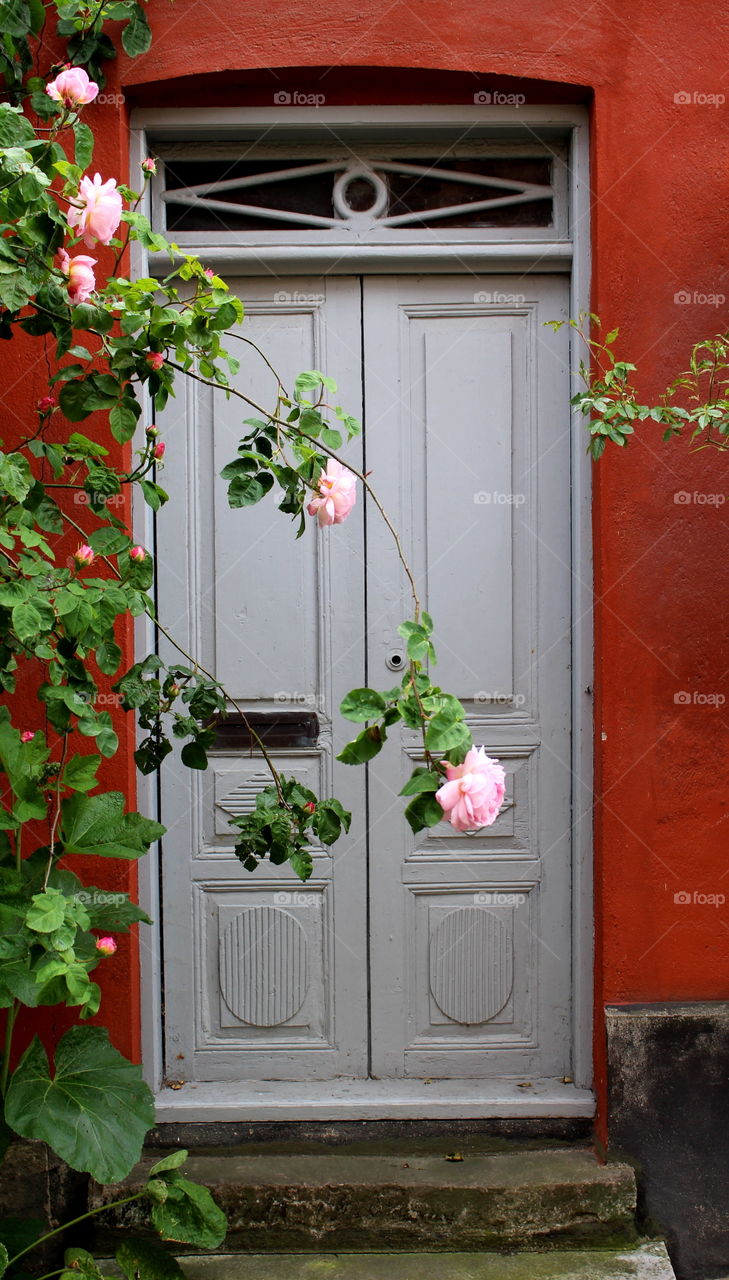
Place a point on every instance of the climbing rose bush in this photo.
(72, 573)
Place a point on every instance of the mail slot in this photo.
(278, 730)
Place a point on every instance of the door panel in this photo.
(264, 977)
(468, 444)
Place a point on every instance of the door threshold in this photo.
(343, 1099)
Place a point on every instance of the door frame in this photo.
(573, 255)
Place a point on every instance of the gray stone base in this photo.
(35, 1183)
(668, 1070)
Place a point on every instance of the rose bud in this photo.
(83, 556)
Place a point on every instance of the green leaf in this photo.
(123, 419)
(136, 36)
(15, 475)
(109, 541)
(364, 746)
(156, 1189)
(100, 728)
(154, 496)
(11, 593)
(98, 825)
(423, 811)
(15, 128)
(422, 780)
(46, 912)
(31, 618)
(22, 762)
(446, 730)
(224, 317)
(189, 1214)
(80, 1263)
(194, 756)
(309, 381)
(114, 912)
(147, 1260)
(302, 863)
(328, 820)
(172, 1161)
(95, 1110)
(363, 704)
(108, 657)
(332, 439)
(245, 491)
(80, 773)
(15, 19)
(4, 1259)
(84, 144)
(73, 399)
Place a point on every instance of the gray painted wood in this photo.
(468, 443)
(273, 618)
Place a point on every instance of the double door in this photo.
(438, 956)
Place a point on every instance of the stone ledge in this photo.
(553, 1198)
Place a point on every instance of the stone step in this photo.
(337, 1201)
(647, 1262)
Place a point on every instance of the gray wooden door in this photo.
(446, 955)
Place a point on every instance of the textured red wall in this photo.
(658, 228)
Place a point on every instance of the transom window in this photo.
(363, 194)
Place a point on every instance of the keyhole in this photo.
(395, 661)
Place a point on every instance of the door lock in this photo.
(396, 660)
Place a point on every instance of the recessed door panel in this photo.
(468, 445)
(265, 978)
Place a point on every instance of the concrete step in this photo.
(338, 1201)
(647, 1262)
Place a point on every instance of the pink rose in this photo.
(152, 432)
(27, 735)
(107, 946)
(46, 404)
(99, 216)
(474, 791)
(72, 88)
(149, 166)
(83, 556)
(338, 494)
(155, 360)
(138, 554)
(81, 278)
(159, 450)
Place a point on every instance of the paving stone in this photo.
(647, 1262)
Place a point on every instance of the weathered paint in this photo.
(658, 227)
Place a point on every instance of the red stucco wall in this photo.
(659, 220)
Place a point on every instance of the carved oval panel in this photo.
(264, 966)
(471, 965)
